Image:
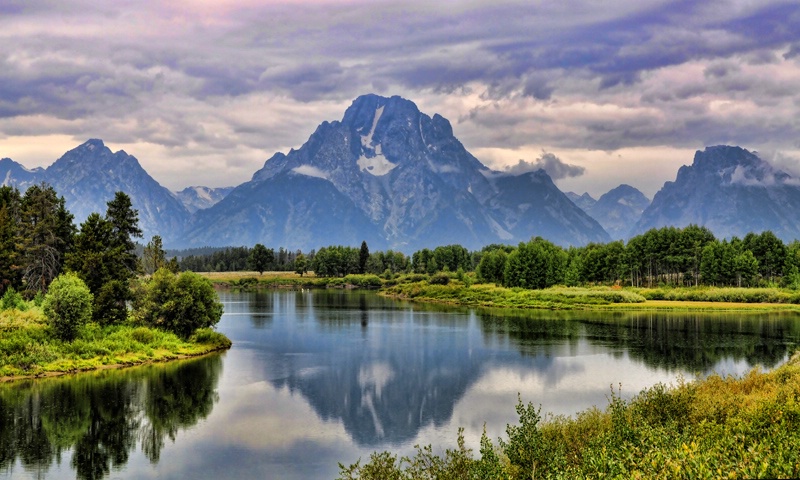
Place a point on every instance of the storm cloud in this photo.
(204, 92)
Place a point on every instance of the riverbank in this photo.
(598, 298)
(28, 348)
(746, 427)
(465, 292)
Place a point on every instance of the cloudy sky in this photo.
(600, 93)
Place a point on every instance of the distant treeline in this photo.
(234, 259)
(689, 256)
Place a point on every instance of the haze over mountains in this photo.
(398, 178)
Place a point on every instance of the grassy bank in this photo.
(28, 346)
(252, 280)
(484, 295)
(745, 427)
(729, 299)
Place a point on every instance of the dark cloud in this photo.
(573, 74)
(548, 162)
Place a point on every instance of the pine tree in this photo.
(153, 256)
(10, 255)
(124, 228)
(363, 257)
(46, 233)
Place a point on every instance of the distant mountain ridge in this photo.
(619, 209)
(89, 175)
(732, 192)
(198, 197)
(411, 179)
(398, 178)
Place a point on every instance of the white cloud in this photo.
(310, 171)
(548, 162)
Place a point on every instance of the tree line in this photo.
(91, 273)
(689, 256)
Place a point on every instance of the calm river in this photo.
(320, 377)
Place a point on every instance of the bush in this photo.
(67, 305)
(363, 281)
(13, 300)
(177, 303)
(440, 278)
(110, 306)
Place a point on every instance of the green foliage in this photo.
(745, 427)
(124, 220)
(67, 305)
(536, 264)
(493, 296)
(45, 235)
(103, 258)
(363, 281)
(177, 303)
(110, 306)
(336, 261)
(363, 257)
(260, 258)
(10, 248)
(492, 266)
(440, 278)
(13, 300)
(207, 336)
(153, 256)
(244, 283)
(715, 294)
(452, 257)
(28, 345)
(300, 265)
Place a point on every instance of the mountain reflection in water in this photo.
(320, 377)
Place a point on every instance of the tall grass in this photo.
(494, 296)
(716, 294)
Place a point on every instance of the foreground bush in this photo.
(177, 303)
(715, 428)
(67, 305)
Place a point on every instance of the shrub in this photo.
(13, 300)
(67, 305)
(178, 303)
(142, 335)
(440, 278)
(110, 306)
(363, 281)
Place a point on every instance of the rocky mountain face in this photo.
(585, 201)
(15, 175)
(731, 191)
(199, 198)
(89, 175)
(390, 173)
(618, 210)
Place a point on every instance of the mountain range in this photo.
(398, 178)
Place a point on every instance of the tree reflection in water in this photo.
(694, 342)
(102, 416)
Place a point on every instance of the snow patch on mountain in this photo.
(377, 165)
(366, 140)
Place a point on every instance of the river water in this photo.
(320, 377)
